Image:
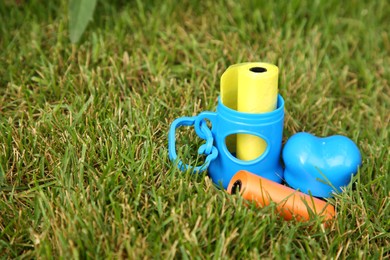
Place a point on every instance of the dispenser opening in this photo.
(245, 147)
(258, 69)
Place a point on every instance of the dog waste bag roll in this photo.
(252, 88)
(290, 203)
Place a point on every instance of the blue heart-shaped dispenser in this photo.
(320, 166)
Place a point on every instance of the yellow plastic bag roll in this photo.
(252, 88)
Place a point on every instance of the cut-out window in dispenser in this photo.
(245, 147)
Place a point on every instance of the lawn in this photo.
(84, 167)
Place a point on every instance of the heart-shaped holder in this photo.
(320, 166)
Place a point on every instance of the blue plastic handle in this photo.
(203, 132)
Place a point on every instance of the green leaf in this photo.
(80, 13)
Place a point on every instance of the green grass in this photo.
(84, 168)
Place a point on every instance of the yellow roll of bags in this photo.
(252, 88)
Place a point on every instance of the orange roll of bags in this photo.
(290, 203)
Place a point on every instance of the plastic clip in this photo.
(203, 132)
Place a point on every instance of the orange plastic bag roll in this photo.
(290, 203)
